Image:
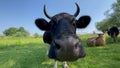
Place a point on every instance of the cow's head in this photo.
(60, 33)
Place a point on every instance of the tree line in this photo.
(18, 32)
(112, 18)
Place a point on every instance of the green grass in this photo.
(31, 53)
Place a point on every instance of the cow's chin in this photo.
(61, 55)
(72, 55)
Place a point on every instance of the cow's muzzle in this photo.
(67, 49)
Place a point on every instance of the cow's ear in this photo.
(83, 21)
(42, 24)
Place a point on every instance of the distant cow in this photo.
(60, 33)
(96, 41)
(113, 33)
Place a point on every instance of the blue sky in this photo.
(17, 13)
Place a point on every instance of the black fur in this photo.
(113, 32)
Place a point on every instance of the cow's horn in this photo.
(78, 10)
(48, 16)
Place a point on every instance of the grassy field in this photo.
(31, 53)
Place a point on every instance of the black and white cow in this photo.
(113, 32)
(60, 33)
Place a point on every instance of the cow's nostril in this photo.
(57, 46)
(76, 45)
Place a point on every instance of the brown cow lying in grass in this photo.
(96, 41)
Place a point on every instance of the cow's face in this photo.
(60, 33)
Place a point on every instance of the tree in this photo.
(113, 19)
(105, 24)
(12, 31)
(36, 35)
(116, 13)
(22, 32)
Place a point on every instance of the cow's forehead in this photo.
(60, 16)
